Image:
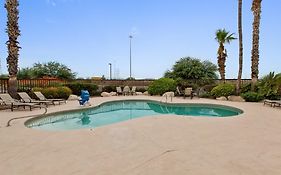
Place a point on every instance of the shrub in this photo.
(223, 90)
(50, 92)
(269, 86)
(109, 89)
(77, 87)
(252, 96)
(35, 89)
(54, 92)
(245, 88)
(162, 85)
(206, 95)
(63, 92)
(141, 89)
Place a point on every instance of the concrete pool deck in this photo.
(247, 144)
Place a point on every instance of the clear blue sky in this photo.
(88, 34)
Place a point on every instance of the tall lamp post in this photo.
(110, 71)
(130, 36)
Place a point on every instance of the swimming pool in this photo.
(118, 111)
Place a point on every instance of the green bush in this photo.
(223, 90)
(77, 87)
(162, 85)
(269, 86)
(206, 95)
(63, 92)
(50, 92)
(252, 96)
(54, 92)
(245, 88)
(141, 89)
(109, 89)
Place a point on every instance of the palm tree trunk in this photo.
(221, 61)
(240, 32)
(12, 86)
(256, 8)
(12, 44)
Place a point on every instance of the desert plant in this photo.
(109, 89)
(206, 95)
(269, 86)
(141, 89)
(63, 92)
(252, 96)
(162, 85)
(223, 90)
(77, 87)
(54, 92)
(222, 37)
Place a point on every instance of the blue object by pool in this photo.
(85, 96)
(117, 111)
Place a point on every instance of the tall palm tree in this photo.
(222, 37)
(238, 84)
(256, 9)
(12, 44)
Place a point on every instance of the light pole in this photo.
(130, 36)
(110, 71)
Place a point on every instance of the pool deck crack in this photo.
(152, 159)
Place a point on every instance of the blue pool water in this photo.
(118, 111)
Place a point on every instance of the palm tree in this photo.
(222, 37)
(269, 85)
(238, 84)
(256, 9)
(12, 44)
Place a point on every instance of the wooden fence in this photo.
(28, 84)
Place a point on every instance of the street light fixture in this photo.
(110, 71)
(130, 36)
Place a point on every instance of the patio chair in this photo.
(133, 91)
(119, 90)
(126, 90)
(179, 91)
(189, 92)
(27, 99)
(277, 103)
(41, 97)
(7, 100)
(272, 103)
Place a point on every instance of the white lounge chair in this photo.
(272, 103)
(41, 97)
(133, 91)
(119, 90)
(7, 100)
(27, 99)
(126, 90)
(188, 92)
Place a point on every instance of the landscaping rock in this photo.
(105, 94)
(113, 93)
(236, 98)
(73, 97)
(138, 93)
(222, 98)
(145, 93)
